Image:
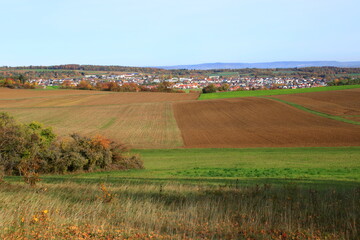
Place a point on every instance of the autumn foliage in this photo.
(31, 149)
(124, 87)
(16, 83)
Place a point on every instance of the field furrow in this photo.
(256, 122)
(140, 126)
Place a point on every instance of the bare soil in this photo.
(62, 98)
(257, 122)
(339, 103)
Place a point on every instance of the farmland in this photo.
(79, 98)
(258, 93)
(234, 168)
(339, 103)
(256, 122)
(165, 120)
(17, 94)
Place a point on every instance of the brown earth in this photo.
(7, 93)
(257, 122)
(340, 103)
(64, 98)
(353, 118)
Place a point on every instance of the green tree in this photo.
(22, 79)
(209, 89)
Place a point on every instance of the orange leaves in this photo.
(84, 85)
(41, 217)
(106, 196)
(28, 169)
(99, 140)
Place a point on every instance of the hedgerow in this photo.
(27, 149)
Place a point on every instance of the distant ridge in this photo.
(286, 64)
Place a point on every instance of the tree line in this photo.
(75, 70)
(126, 87)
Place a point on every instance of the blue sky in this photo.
(171, 32)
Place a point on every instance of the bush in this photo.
(29, 149)
(209, 89)
(224, 87)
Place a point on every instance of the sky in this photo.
(173, 32)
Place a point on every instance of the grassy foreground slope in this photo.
(310, 164)
(267, 193)
(236, 94)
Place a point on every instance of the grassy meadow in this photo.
(257, 93)
(303, 166)
(260, 193)
(176, 211)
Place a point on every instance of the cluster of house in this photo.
(234, 83)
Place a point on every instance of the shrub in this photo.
(224, 87)
(30, 149)
(209, 89)
(2, 174)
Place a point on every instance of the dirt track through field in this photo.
(339, 103)
(257, 122)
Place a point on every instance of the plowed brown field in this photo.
(89, 98)
(257, 122)
(340, 103)
(7, 93)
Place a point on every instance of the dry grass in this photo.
(175, 211)
(141, 120)
(138, 125)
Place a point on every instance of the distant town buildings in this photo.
(234, 82)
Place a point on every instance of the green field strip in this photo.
(337, 118)
(258, 93)
(305, 166)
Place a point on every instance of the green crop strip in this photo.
(258, 93)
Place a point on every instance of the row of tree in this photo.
(211, 88)
(344, 81)
(16, 83)
(74, 70)
(126, 87)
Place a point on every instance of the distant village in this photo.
(183, 83)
